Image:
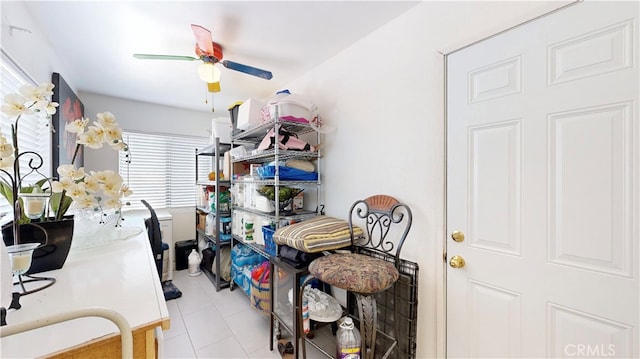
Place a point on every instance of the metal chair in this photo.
(155, 237)
(381, 217)
(126, 336)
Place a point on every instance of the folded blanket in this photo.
(303, 165)
(318, 234)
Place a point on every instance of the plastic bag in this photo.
(286, 141)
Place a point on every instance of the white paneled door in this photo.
(543, 188)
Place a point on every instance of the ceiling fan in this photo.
(210, 53)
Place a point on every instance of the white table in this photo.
(121, 276)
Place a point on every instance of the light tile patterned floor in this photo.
(210, 324)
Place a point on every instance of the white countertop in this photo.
(121, 276)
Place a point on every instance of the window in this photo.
(34, 133)
(162, 169)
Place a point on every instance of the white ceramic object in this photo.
(6, 281)
(194, 263)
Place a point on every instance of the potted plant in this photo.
(98, 192)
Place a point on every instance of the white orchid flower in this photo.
(112, 203)
(111, 188)
(112, 134)
(107, 176)
(77, 191)
(44, 108)
(90, 139)
(65, 170)
(69, 171)
(91, 184)
(30, 93)
(118, 145)
(47, 88)
(110, 192)
(47, 107)
(63, 185)
(125, 191)
(34, 93)
(86, 202)
(14, 105)
(77, 126)
(6, 148)
(6, 162)
(98, 131)
(107, 119)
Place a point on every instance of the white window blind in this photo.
(162, 169)
(34, 133)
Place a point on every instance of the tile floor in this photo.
(210, 324)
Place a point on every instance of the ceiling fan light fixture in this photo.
(208, 72)
(213, 86)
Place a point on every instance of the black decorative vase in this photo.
(55, 250)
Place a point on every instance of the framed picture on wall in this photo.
(70, 108)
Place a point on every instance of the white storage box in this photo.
(290, 107)
(249, 114)
(290, 111)
(221, 128)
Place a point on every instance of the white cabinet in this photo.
(166, 228)
(169, 259)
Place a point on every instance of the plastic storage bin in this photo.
(249, 114)
(221, 128)
(290, 111)
(225, 228)
(286, 173)
(233, 114)
(269, 244)
(291, 107)
(182, 250)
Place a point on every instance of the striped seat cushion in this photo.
(317, 234)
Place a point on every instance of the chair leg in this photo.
(368, 323)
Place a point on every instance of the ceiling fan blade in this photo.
(247, 69)
(164, 57)
(203, 38)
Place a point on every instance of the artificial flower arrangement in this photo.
(31, 101)
(99, 192)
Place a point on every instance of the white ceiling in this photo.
(98, 38)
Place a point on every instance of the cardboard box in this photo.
(239, 168)
(201, 220)
(249, 114)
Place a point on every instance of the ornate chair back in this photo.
(378, 216)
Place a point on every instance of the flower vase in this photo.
(55, 243)
(95, 229)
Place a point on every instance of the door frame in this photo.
(441, 300)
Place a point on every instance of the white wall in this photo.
(30, 50)
(140, 116)
(385, 95)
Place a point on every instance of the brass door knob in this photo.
(457, 236)
(456, 262)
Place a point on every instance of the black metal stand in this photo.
(33, 279)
